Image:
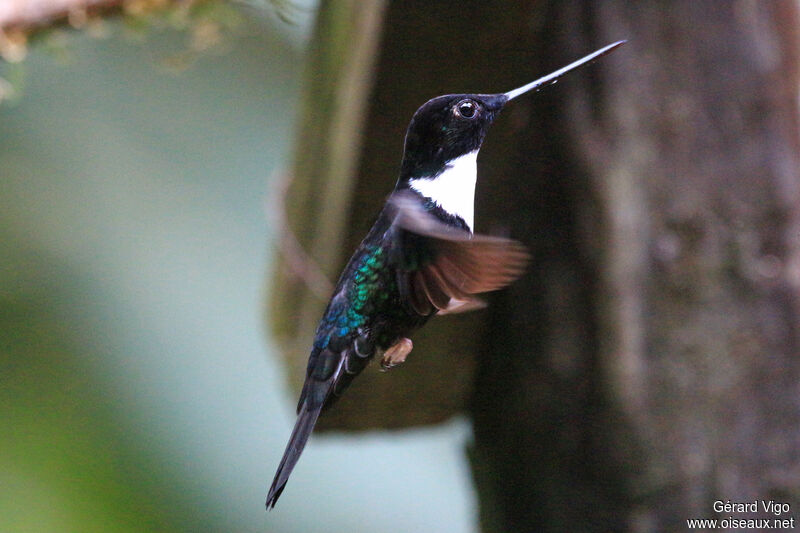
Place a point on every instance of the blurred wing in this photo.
(441, 267)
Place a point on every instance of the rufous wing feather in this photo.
(457, 264)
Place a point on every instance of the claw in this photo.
(396, 354)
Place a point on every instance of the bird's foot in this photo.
(396, 354)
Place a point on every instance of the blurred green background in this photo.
(137, 389)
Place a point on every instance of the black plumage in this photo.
(420, 258)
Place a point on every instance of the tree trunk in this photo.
(646, 365)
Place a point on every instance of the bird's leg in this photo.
(396, 354)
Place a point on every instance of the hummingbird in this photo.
(421, 257)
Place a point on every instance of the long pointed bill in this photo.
(553, 77)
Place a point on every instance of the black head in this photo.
(453, 125)
(445, 128)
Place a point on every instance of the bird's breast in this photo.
(454, 188)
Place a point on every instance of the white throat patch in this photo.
(454, 189)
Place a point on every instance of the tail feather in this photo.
(306, 419)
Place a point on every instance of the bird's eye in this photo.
(466, 109)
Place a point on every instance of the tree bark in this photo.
(339, 179)
(650, 360)
(647, 365)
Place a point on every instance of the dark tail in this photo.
(306, 419)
